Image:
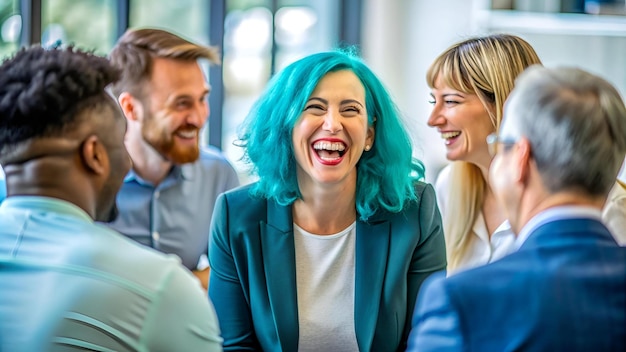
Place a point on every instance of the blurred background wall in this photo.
(398, 38)
(402, 37)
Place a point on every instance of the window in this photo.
(259, 38)
(258, 41)
(10, 27)
(88, 24)
(187, 18)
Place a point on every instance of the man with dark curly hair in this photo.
(68, 282)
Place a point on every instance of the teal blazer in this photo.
(253, 278)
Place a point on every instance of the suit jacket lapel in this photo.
(279, 262)
(372, 247)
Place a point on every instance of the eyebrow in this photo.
(188, 96)
(448, 94)
(343, 102)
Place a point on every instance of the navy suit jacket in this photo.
(564, 290)
(253, 277)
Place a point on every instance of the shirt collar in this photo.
(553, 214)
(184, 172)
(47, 204)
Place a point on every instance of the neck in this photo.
(147, 162)
(327, 210)
(484, 168)
(493, 212)
(535, 205)
(54, 178)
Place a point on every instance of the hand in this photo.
(203, 276)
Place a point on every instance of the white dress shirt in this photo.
(484, 249)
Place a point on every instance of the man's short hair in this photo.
(136, 50)
(576, 125)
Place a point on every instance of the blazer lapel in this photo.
(279, 262)
(372, 247)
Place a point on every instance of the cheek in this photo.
(480, 127)
(205, 111)
(298, 141)
(502, 178)
(475, 118)
(497, 176)
(296, 135)
(121, 165)
(302, 131)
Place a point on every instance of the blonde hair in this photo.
(486, 66)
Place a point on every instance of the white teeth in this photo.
(187, 134)
(334, 146)
(448, 135)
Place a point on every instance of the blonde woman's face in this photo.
(463, 123)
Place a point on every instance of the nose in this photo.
(436, 118)
(332, 122)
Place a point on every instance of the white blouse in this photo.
(484, 249)
(614, 213)
(325, 267)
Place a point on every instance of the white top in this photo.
(622, 172)
(614, 213)
(484, 249)
(325, 290)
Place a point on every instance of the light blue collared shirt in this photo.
(68, 282)
(175, 216)
(3, 188)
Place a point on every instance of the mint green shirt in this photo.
(68, 283)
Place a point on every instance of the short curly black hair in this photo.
(44, 91)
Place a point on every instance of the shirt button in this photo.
(155, 236)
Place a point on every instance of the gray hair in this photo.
(576, 125)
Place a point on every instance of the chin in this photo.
(454, 158)
(454, 155)
(179, 157)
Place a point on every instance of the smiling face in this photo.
(463, 123)
(176, 109)
(332, 131)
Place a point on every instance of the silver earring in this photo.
(367, 148)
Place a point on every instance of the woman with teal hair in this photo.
(328, 249)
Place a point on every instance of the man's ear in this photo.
(523, 155)
(94, 156)
(131, 107)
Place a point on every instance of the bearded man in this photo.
(167, 199)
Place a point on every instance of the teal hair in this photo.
(385, 174)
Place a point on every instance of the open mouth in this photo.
(187, 134)
(450, 136)
(329, 151)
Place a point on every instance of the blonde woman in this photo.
(469, 83)
(614, 212)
